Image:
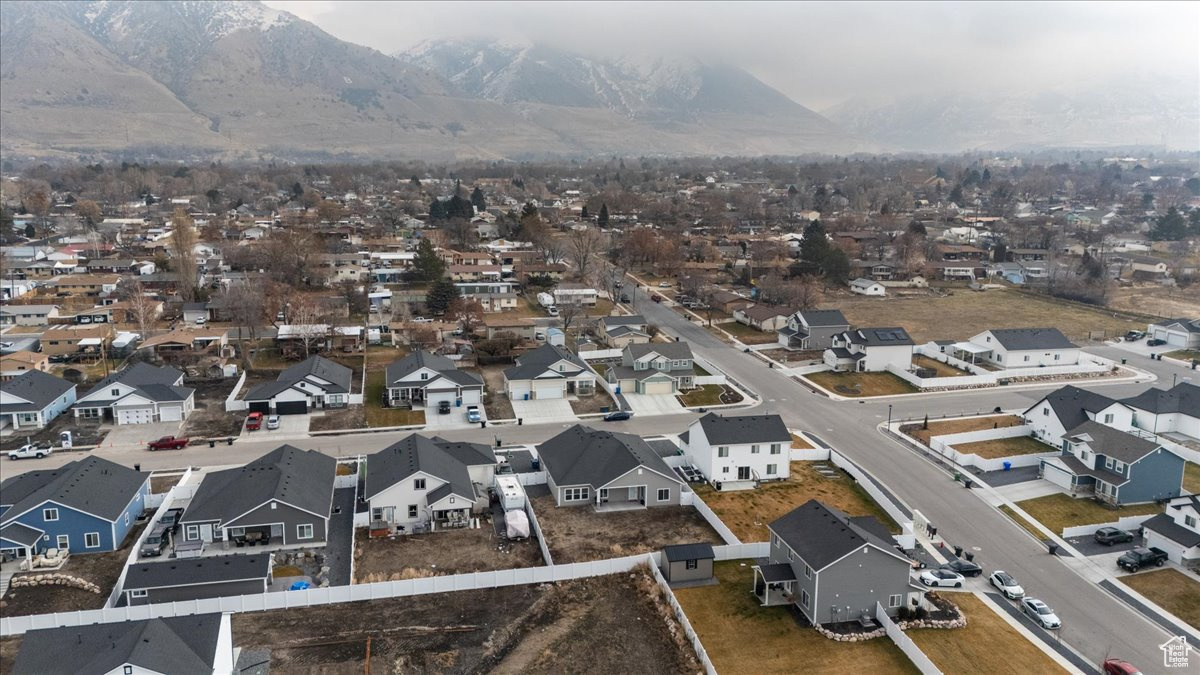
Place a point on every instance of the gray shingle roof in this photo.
(823, 317)
(1071, 405)
(417, 453)
(186, 571)
(301, 478)
(1189, 325)
(744, 429)
(821, 534)
(143, 377)
(1182, 398)
(675, 351)
(678, 552)
(1019, 339)
(889, 336)
(318, 366)
(585, 456)
(537, 362)
(21, 534)
(92, 484)
(1167, 527)
(631, 320)
(185, 645)
(1112, 442)
(440, 364)
(39, 388)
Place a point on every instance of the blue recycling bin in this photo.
(1007, 466)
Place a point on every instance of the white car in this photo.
(273, 422)
(201, 321)
(664, 284)
(36, 450)
(1006, 584)
(939, 578)
(1041, 613)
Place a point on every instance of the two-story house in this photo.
(619, 331)
(654, 368)
(1174, 411)
(870, 350)
(550, 371)
(421, 483)
(739, 452)
(1068, 407)
(426, 378)
(812, 329)
(1177, 531)
(833, 567)
(1115, 466)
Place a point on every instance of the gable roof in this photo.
(186, 571)
(414, 454)
(631, 320)
(1182, 398)
(733, 429)
(890, 336)
(678, 552)
(1189, 325)
(584, 456)
(38, 388)
(821, 534)
(1111, 442)
(822, 318)
(336, 374)
(92, 484)
(185, 645)
(1020, 339)
(417, 360)
(1071, 405)
(537, 362)
(676, 351)
(762, 312)
(301, 478)
(156, 383)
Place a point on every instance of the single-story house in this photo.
(868, 287)
(424, 483)
(196, 578)
(1178, 333)
(426, 378)
(1020, 348)
(17, 363)
(589, 466)
(315, 382)
(1177, 530)
(1167, 411)
(33, 400)
(519, 326)
(27, 315)
(766, 318)
(619, 331)
(140, 394)
(550, 371)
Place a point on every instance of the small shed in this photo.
(687, 562)
(556, 336)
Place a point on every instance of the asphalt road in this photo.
(1095, 624)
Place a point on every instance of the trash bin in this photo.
(969, 556)
(229, 441)
(482, 424)
(967, 483)
(957, 551)
(603, 408)
(212, 443)
(137, 467)
(520, 421)
(1053, 548)
(957, 476)
(1007, 466)
(1124, 361)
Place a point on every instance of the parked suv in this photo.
(1112, 535)
(156, 542)
(170, 520)
(443, 407)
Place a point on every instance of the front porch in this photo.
(774, 584)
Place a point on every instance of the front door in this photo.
(743, 473)
(206, 532)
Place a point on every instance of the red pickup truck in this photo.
(168, 443)
(254, 421)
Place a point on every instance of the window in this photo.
(1057, 357)
(754, 449)
(576, 494)
(1026, 358)
(1119, 467)
(1083, 455)
(137, 593)
(126, 518)
(304, 531)
(91, 540)
(64, 542)
(776, 448)
(192, 533)
(128, 670)
(377, 513)
(1108, 463)
(894, 600)
(664, 494)
(1108, 418)
(791, 555)
(419, 484)
(771, 469)
(49, 515)
(1190, 521)
(1045, 411)
(723, 451)
(804, 598)
(724, 469)
(115, 392)
(808, 572)
(691, 564)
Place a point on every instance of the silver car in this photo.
(1041, 613)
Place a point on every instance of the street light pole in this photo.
(889, 426)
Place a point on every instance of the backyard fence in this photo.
(697, 503)
(693, 637)
(905, 643)
(944, 446)
(1124, 523)
(231, 402)
(536, 529)
(180, 490)
(896, 511)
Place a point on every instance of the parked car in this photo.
(664, 284)
(35, 450)
(254, 421)
(1141, 557)
(963, 567)
(624, 298)
(273, 422)
(168, 443)
(1006, 584)
(1134, 335)
(443, 407)
(1155, 342)
(473, 415)
(1041, 613)
(618, 416)
(201, 321)
(1119, 667)
(1112, 535)
(155, 542)
(170, 519)
(552, 311)
(656, 298)
(940, 577)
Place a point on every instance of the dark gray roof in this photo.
(744, 429)
(188, 571)
(471, 454)
(537, 362)
(1071, 405)
(422, 359)
(417, 453)
(628, 373)
(1019, 339)
(1189, 325)
(301, 478)
(678, 552)
(1182, 398)
(1167, 527)
(1080, 469)
(144, 377)
(821, 534)
(39, 388)
(92, 484)
(672, 350)
(889, 336)
(21, 534)
(1112, 442)
(777, 572)
(585, 456)
(619, 331)
(822, 317)
(631, 320)
(317, 366)
(185, 645)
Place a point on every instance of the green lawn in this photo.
(380, 416)
(862, 384)
(1005, 447)
(1059, 511)
(1191, 478)
(707, 394)
(1183, 354)
(1172, 590)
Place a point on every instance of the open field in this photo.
(1156, 300)
(986, 645)
(861, 384)
(748, 334)
(579, 533)
(1005, 447)
(437, 553)
(925, 317)
(744, 638)
(1191, 478)
(567, 627)
(1172, 590)
(1058, 511)
(960, 426)
(162, 484)
(942, 369)
(748, 512)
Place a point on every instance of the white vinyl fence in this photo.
(692, 636)
(1124, 523)
(597, 354)
(181, 490)
(905, 643)
(536, 529)
(231, 402)
(906, 538)
(945, 444)
(697, 503)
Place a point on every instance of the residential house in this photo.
(424, 483)
(1177, 531)
(619, 331)
(495, 296)
(33, 399)
(76, 340)
(588, 466)
(966, 270)
(868, 287)
(812, 329)
(195, 311)
(524, 270)
(149, 582)
(14, 288)
(1179, 333)
(86, 285)
(728, 302)
(739, 451)
(16, 364)
(654, 368)
(192, 644)
(85, 506)
(186, 342)
(958, 252)
(1068, 407)
(1020, 348)
(518, 326)
(766, 318)
(139, 394)
(550, 371)
(474, 272)
(575, 294)
(833, 567)
(870, 350)
(1117, 467)
(27, 315)
(283, 497)
(315, 382)
(1173, 412)
(426, 378)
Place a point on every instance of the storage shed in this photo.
(688, 562)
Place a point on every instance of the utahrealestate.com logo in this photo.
(1175, 652)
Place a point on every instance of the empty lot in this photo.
(436, 553)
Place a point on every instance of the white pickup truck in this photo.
(28, 450)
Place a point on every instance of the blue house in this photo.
(87, 506)
(1117, 467)
(33, 400)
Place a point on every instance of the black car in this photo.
(443, 407)
(618, 416)
(624, 298)
(963, 567)
(1112, 535)
(1155, 342)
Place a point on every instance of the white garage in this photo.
(170, 413)
(1057, 475)
(135, 416)
(657, 386)
(544, 390)
(1182, 333)
(433, 398)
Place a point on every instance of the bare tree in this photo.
(461, 232)
(304, 319)
(468, 312)
(142, 308)
(568, 312)
(423, 337)
(583, 246)
(245, 306)
(183, 252)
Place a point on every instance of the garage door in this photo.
(135, 416)
(436, 397)
(548, 390)
(292, 407)
(263, 407)
(1176, 339)
(656, 387)
(1056, 475)
(170, 413)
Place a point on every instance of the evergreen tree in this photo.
(437, 210)
(1000, 253)
(1169, 227)
(584, 213)
(415, 182)
(815, 246)
(459, 207)
(441, 294)
(427, 266)
(478, 200)
(956, 195)
(602, 221)
(986, 178)
(30, 231)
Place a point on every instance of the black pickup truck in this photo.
(1142, 557)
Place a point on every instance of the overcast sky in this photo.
(820, 53)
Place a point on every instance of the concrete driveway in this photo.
(140, 434)
(544, 410)
(290, 427)
(1029, 489)
(455, 419)
(654, 404)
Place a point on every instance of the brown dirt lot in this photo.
(579, 533)
(82, 434)
(747, 512)
(1157, 300)
(437, 553)
(567, 627)
(162, 484)
(986, 645)
(9, 647)
(585, 405)
(861, 384)
(496, 404)
(102, 569)
(1005, 447)
(959, 426)
(925, 317)
(209, 419)
(748, 334)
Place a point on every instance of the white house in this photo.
(735, 453)
(140, 394)
(423, 377)
(33, 400)
(422, 484)
(550, 371)
(1168, 411)
(868, 287)
(1177, 531)
(315, 382)
(1068, 407)
(1180, 333)
(575, 294)
(1020, 348)
(870, 350)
